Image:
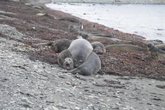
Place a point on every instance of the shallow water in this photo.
(144, 20)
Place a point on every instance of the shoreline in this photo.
(122, 22)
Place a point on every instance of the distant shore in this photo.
(126, 18)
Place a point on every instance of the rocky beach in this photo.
(132, 75)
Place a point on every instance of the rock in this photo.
(15, 0)
(77, 108)
(51, 108)
(41, 14)
(28, 4)
(3, 17)
(10, 32)
(115, 39)
(6, 13)
(37, 7)
(161, 86)
(25, 102)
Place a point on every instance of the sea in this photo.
(141, 19)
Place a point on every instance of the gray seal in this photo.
(80, 49)
(65, 60)
(161, 47)
(91, 66)
(60, 45)
(155, 50)
(98, 47)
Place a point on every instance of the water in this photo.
(145, 20)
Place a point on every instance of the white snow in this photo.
(145, 20)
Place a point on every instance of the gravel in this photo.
(35, 85)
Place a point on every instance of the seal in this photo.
(60, 45)
(156, 50)
(65, 60)
(161, 47)
(91, 66)
(80, 49)
(98, 47)
(68, 63)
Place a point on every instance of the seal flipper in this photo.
(81, 71)
(74, 71)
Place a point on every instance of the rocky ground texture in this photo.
(31, 79)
